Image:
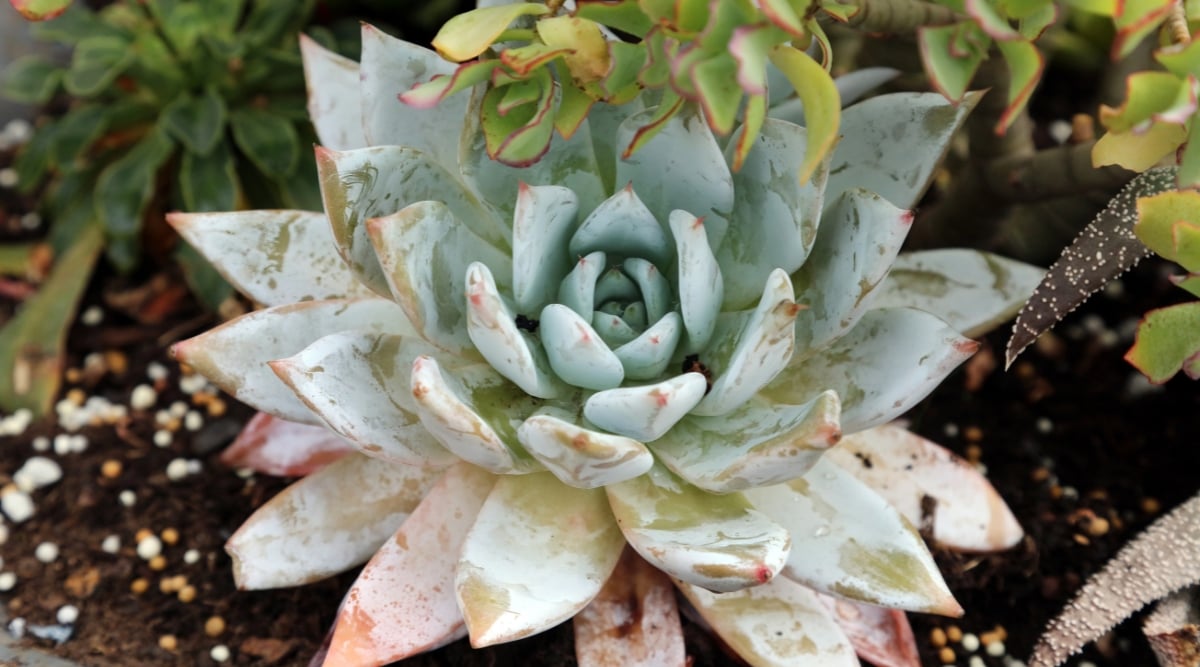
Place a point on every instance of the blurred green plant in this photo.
(172, 104)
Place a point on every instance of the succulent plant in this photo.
(538, 366)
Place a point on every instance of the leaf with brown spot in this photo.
(1105, 249)
(1163, 559)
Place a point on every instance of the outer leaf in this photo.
(1105, 249)
(1164, 221)
(971, 291)
(355, 383)
(273, 257)
(326, 523)
(403, 602)
(916, 129)
(334, 102)
(469, 34)
(908, 471)
(822, 104)
(778, 624)
(717, 542)
(1157, 562)
(579, 456)
(515, 578)
(1168, 339)
(273, 446)
(1139, 151)
(1134, 20)
(881, 368)
(849, 542)
(32, 343)
(882, 636)
(235, 355)
(632, 622)
(96, 63)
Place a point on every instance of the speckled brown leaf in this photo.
(1160, 561)
(1105, 249)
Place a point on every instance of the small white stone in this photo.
(41, 444)
(190, 384)
(975, 661)
(162, 417)
(177, 469)
(8, 580)
(219, 653)
(178, 409)
(62, 444)
(995, 649)
(18, 130)
(143, 397)
(194, 466)
(67, 614)
(111, 544)
(950, 430)
(127, 498)
(31, 220)
(46, 552)
(8, 177)
(17, 505)
(36, 473)
(970, 642)
(92, 316)
(156, 371)
(191, 556)
(149, 547)
(79, 443)
(16, 627)
(193, 420)
(1044, 425)
(162, 438)
(1070, 492)
(1059, 130)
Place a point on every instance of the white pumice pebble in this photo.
(41, 444)
(36, 473)
(156, 371)
(31, 220)
(194, 466)
(1059, 130)
(16, 627)
(970, 642)
(62, 444)
(8, 580)
(16, 423)
(111, 544)
(143, 397)
(127, 498)
(162, 418)
(219, 653)
(191, 556)
(177, 469)
(17, 505)
(149, 547)
(178, 409)
(193, 420)
(79, 443)
(18, 131)
(995, 649)
(162, 438)
(975, 661)
(191, 384)
(8, 177)
(67, 614)
(92, 316)
(46, 552)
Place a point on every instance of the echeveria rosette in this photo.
(702, 338)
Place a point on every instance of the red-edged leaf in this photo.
(274, 446)
(881, 636)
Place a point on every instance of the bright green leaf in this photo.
(720, 96)
(270, 142)
(31, 79)
(1149, 94)
(124, 189)
(1138, 151)
(34, 159)
(624, 15)
(822, 103)
(1158, 217)
(951, 74)
(467, 35)
(196, 122)
(1025, 65)
(1167, 340)
(76, 131)
(522, 136)
(1135, 19)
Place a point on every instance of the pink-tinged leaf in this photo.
(403, 601)
(632, 622)
(1156, 563)
(995, 25)
(907, 469)
(40, 10)
(469, 34)
(1105, 249)
(427, 95)
(881, 636)
(326, 523)
(522, 136)
(524, 59)
(669, 106)
(274, 446)
(780, 13)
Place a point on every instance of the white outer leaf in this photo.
(273, 257)
(334, 103)
(326, 523)
(235, 355)
(537, 554)
(274, 446)
(848, 542)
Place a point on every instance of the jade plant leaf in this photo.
(1168, 339)
(41, 10)
(822, 104)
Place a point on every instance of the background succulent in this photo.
(681, 403)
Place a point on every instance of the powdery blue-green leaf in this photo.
(577, 290)
(374, 182)
(776, 216)
(746, 355)
(425, 251)
(235, 355)
(308, 532)
(883, 366)
(856, 246)
(760, 443)
(273, 257)
(395, 66)
(623, 226)
(334, 101)
(473, 413)
(1105, 249)
(972, 291)
(580, 456)
(718, 542)
(403, 601)
(777, 624)
(916, 128)
(648, 355)
(576, 352)
(542, 223)
(1168, 339)
(355, 382)
(469, 34)
(514, 576)
(700, 286)
(680, 168)
(645, 412)
(849, 542)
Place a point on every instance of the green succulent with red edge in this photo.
(545, 67)
(528, 374)
(40, 10)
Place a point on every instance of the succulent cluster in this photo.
(535, 367)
